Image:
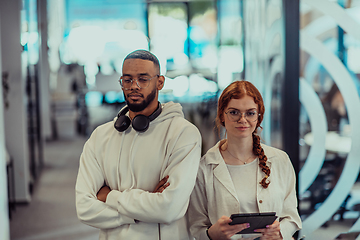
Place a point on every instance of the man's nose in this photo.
(134, 84)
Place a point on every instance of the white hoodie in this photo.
(132, 164)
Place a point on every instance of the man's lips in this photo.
(134, 96)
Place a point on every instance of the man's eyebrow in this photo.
(143, 74)
(139, 74)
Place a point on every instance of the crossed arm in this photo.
(160, 187)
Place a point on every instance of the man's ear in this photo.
(161, 81)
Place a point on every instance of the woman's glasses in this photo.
(235, 115)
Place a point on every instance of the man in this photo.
(137, 172)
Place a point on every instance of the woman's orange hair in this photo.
(237, 90)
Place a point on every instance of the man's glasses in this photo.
(142, 82)
(235, 115)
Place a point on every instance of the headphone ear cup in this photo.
(140, 123)
(122, 123)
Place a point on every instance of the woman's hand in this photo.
(271, 232)
(222, 230)
(162, 185)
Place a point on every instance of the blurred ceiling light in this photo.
(91, 68)
(178, 85)
(200, 85)
(106, 68)
(111, 97)
(86, 42)
(93, 98)
(181, 59)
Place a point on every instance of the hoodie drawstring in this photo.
(118, 162)
(131, 162)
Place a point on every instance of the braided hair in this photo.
(237, 90)
(259, 151)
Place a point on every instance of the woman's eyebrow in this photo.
(232, 108)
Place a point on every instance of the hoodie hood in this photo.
(170, 110)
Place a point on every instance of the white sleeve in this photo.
(172, 203)
(90, 179)
(197, 214)
(290, 220)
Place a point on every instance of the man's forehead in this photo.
(137, 60)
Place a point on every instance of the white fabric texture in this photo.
(132, 164)
(214, 194)
(244, 180)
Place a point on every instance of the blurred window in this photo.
(230, 57)
(168, 33)
(203, 34)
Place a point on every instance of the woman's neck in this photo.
(239, 146)
(238, 150)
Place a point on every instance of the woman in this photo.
(241, 175)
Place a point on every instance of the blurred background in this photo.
(61, 60)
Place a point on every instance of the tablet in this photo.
(256, 220)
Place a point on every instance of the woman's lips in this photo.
(242, 128)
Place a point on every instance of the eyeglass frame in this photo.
(242, 114)
(136, 81)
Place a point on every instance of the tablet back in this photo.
(256, 220)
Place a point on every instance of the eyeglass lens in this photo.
(235, 115)
(142, 82)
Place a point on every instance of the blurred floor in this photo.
(51, 213)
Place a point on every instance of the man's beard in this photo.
(138, 107)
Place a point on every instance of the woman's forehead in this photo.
(244, 103)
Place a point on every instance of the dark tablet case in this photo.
(256, 220)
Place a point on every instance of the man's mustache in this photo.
(134, 92)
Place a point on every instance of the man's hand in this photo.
(102, 193)
(162, 185)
